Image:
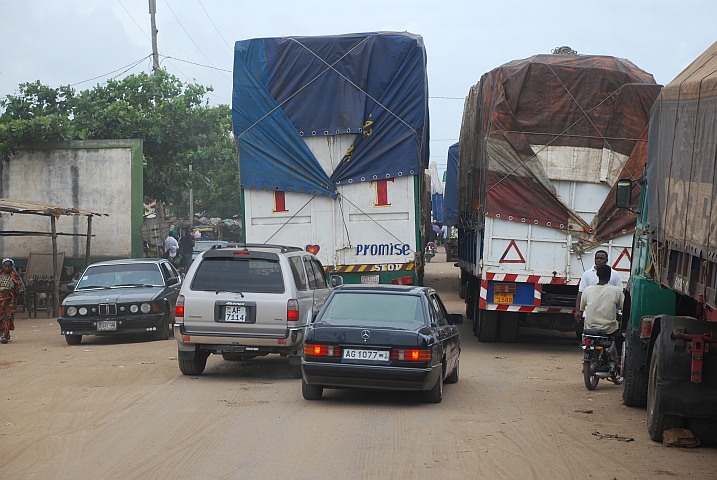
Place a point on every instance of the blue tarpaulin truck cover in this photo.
(450, 194)
(372, 85)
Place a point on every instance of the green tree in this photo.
(176, 123)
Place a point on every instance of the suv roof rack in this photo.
(282, 248)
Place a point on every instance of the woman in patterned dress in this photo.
(11, 288)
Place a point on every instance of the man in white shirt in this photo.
(590, 278)
(170, 242)
(600, 303)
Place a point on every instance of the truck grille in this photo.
(108, 309)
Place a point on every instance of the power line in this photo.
(190, 38)
(450, 98)
(135, 21)
(197, 64)
(215, 27)
(128, 67)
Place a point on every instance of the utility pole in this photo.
(155, 54)
(191, 201)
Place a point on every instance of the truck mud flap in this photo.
(680, 394)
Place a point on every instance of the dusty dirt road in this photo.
(119, 408)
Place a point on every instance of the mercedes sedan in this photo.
(382, 337)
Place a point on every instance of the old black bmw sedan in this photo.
(122, 296)
(384, 337)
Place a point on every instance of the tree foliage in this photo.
(178, 128)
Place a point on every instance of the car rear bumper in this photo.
(370, 376)
(139, 323)
(186, 341)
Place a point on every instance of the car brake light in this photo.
(243, 253)
(411, 355)
(179, 310)
(292, 310)
(321, 350)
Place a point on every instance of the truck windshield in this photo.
(108, 276)
(225, 274)
(374, 309)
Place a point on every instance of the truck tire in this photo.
(194, 366)
(634, 386)
(657, 422)
(472, 294)
(487, 325)
(508, 326)
(462, 289)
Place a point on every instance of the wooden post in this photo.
(89, 235)
(56, 269)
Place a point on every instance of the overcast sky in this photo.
(63, 42)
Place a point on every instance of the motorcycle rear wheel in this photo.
(589, 369)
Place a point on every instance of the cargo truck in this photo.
(450, 206)
(670, 352)
(543, 141)
(332, 136)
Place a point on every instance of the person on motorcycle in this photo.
(600, 302)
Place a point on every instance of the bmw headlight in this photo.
(146, 307)
(133, 308)
(82, 310)
(71, 311)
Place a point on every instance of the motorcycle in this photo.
(598, 362)
(429, 252)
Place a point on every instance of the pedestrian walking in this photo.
(11, 290)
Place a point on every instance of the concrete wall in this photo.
(100, 176)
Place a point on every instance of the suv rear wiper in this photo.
(223, 291)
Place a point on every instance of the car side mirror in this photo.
(455, 319)
(336, 281)
(71, 286)
(623, 193)
(173, 281)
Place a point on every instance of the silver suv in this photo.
(247, 301)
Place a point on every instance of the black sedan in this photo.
(122, 296)
(383, 337)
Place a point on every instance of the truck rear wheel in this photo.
(509, 325)
(486, 325)
(634, 386)
(657, 422)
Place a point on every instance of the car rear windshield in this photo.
(374, 309)
(107, 276)
(226, 274)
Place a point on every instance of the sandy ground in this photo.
(119, 408)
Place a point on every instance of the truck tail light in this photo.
(410, 355)
(179, 310)
(505, 287)
(292, 310)
(321, 350)
(402, 281)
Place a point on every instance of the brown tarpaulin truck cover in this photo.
(682, 152)
(517, 116)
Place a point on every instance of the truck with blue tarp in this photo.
(332, 139)
(670, 351)
(450, 206)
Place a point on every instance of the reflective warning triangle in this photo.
(512, 247)
(622, 264)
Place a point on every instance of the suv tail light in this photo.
(179, 310)
(292, 310)
(411, 355)
(321, 350)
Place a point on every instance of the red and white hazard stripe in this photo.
(513, 277)
(537, 295)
